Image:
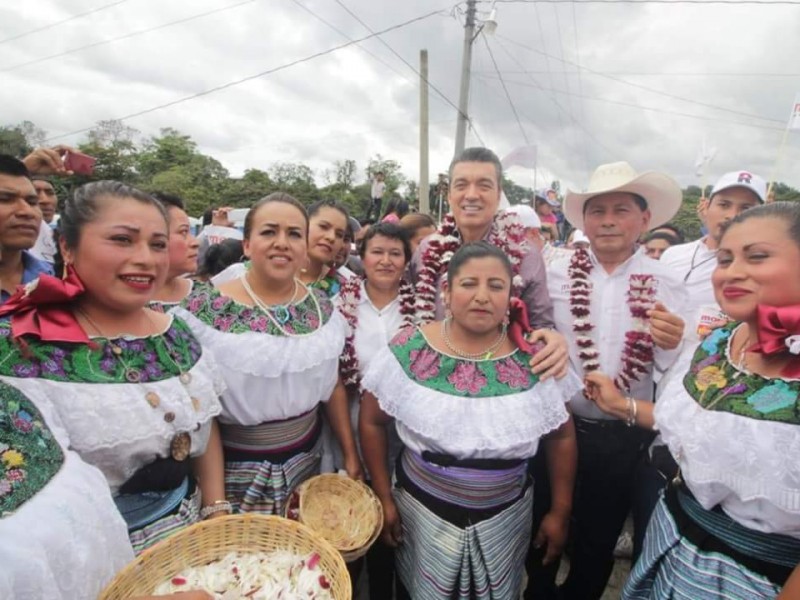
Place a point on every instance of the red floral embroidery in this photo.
(467, 377)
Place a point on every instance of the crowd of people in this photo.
(512, 383)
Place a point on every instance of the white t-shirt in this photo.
(693, 264)
(612, 319)
(377, 188)
(45, 246)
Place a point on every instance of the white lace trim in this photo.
(730, 459)
(469, 426)
(266, 355)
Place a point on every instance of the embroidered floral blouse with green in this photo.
(29, 456)
(716, 384)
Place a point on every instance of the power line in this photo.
(709, 2)
(505, 89)
(57, 23)
(410, 66)
(649, 89)
(257, 75)
(650, 108)
(663, 73)
(125, 37)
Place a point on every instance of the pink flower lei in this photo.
(507, 233)
(637, 353)
(347, 302)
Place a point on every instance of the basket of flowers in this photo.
(343, 511)
(238, 556)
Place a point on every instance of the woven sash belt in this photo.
(467, 486)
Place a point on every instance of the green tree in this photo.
(14, 142)
(251, 187)
(162, 153)
(516, 193)
(295, 179)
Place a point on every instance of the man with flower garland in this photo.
(621, 307)
(474, 198)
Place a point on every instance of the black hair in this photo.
(473, 250)
(281, 197)
(220, 256)
(328, 203)
(392, 231)
(478, 154)
(413, 222)
(169, 200)
(662, 235)
(638, 200)
(677, 233)
(789, 212)
(208, 216)
(12, 166)
(397, 206)
(82, 207)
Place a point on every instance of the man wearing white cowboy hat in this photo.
(610, 297)
(734, 193)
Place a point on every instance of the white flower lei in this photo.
(347, 302)
(506, 232)
(637, 353)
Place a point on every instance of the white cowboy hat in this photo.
(663, 194)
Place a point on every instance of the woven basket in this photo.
(213, 539)
(345, 512)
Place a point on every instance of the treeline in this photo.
(171, 162)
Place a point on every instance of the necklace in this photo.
(482, 355)
(347, 302)
(637, 351)
(268, 310)
(180, 446)
(693, 266)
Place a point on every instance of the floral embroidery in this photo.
(460, 377)
(424, 363)
(228, 316)
(29, 456)
(156, 358)
(329, 285)
(716, 384)
(512, 374)
(710, 377)
(772, 398)
(466, 377)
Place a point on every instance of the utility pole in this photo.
(424, 206)
(466, 67)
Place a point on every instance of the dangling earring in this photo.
(448, 314)
(506, 321)
(65, 270)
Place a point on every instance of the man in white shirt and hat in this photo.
(619, 311)
(734, 193)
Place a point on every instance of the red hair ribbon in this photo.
(779, 332)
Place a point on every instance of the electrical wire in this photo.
(646, 88)
(61, 22)
(707, 2)
(124, 37)
(505, 89)
(236, 82)
(410, 66)
(651, 108)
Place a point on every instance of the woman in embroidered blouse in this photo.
(470, 414)
(183, 248)
(729, 525)
(327, 226)
(133, 388)
(278, 344)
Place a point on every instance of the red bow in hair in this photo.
(519, 326)
(41, 308)
(779, 332)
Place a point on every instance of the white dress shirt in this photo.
(694, 263)
(612, 318)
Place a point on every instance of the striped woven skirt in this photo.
(681, 560)
(265, 463)
(187, 513)
(480, 558)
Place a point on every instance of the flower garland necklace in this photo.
(637, 352)
(348, 300)
(506, 232)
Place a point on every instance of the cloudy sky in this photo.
(590, 82)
